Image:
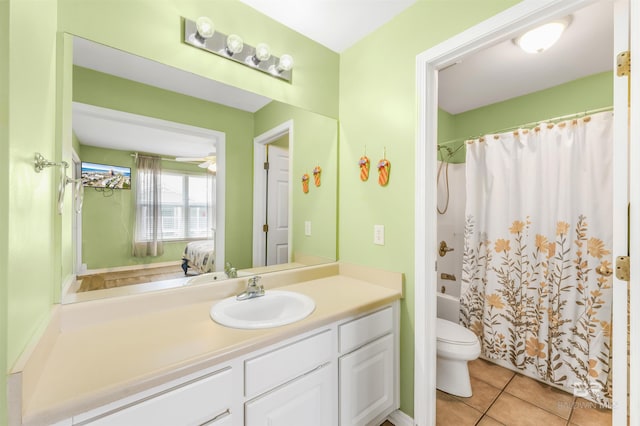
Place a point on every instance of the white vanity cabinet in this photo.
(368, 368)
(344, 373)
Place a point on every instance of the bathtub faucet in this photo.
(443, 248)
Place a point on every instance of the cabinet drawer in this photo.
(281, 365)
(202, 401)
(363, 330)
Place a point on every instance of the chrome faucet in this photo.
(254, 289)
(230, 271)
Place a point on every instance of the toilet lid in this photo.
(451, 332)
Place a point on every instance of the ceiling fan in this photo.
(206, 162)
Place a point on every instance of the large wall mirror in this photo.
(195, 214)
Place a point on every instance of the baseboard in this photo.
(399, 418)
(69, 284)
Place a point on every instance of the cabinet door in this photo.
(366, 382)
(306, 401)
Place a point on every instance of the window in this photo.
(186, 206)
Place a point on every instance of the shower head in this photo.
(446, 148)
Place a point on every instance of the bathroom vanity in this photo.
(159, 363)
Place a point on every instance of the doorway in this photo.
(501, 27)
(273, 153)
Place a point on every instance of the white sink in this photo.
(274, 309)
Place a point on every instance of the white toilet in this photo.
(456, 346)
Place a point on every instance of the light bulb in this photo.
(285, 63)
(234, 44)
(204, 30)
(263, 52)
(205, 27)
(543, 37)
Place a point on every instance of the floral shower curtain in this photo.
(538, 227)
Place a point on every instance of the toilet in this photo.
(455, 347)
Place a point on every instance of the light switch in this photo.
(307, 228)
(378, 235)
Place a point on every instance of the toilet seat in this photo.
(452, 333)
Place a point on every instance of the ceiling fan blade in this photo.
(190, 159)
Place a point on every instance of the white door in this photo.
(277, 205)
(306, 401)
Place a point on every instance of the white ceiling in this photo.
(505, 71)
(336, 24)
(107, 128)
(108, 60)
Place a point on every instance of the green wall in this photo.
(27, 222)
(584, 94)
(378, 110)
(108, 217)
(152, 29)
(95, 88)
(315, 143)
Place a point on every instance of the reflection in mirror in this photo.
(126, 108)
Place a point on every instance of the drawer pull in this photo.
(220, 416)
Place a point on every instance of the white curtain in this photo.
(538, 227)
(147, 235)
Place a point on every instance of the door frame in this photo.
(259, 182)
(503, 26)
(634, 215)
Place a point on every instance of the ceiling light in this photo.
(543, 37)
(234, 44)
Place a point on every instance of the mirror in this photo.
(122, 104)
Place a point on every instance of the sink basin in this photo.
(274, 309)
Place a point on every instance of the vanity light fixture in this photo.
(202, 35)
(543, 37)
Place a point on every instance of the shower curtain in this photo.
(538, 229)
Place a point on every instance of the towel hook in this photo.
(40, 163)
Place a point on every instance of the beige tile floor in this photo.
(502, 397)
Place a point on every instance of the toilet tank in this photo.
(448, 307)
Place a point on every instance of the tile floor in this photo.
(502, 397)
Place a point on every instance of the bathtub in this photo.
(448, 307)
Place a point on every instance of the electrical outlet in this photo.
(378, 235)
(307, 228)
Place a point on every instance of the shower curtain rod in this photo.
(535, 123)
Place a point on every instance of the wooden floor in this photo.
(128, 277)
